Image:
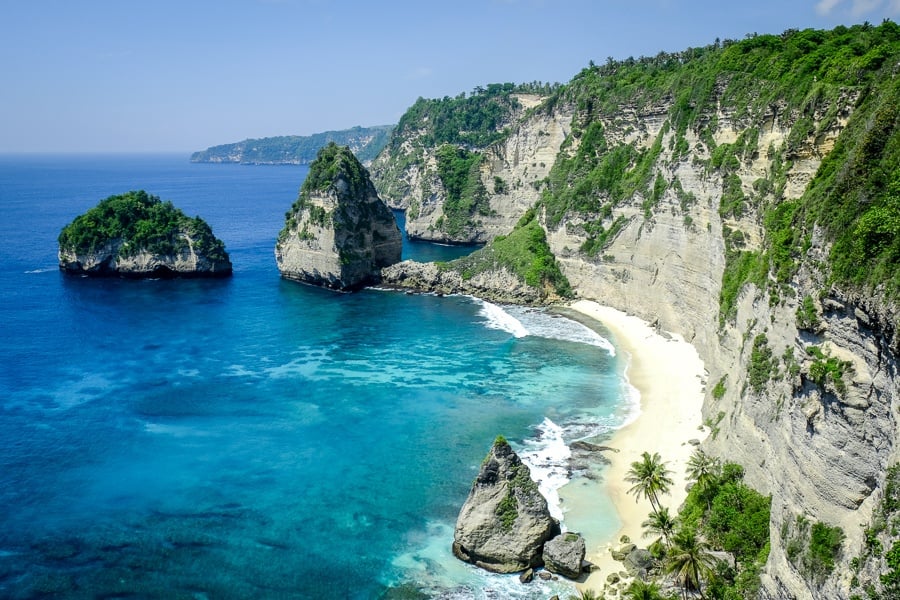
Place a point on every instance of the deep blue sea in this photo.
(254, 437)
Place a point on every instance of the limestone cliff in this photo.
(338, 234)
(745, 195)
(136, 235)
(466, 169)
(505, 521)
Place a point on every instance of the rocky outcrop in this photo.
(108, 261)
(509, 171)
(505, 521)
(496, 286)
(338, 234)
(564, 555)
(136, 235)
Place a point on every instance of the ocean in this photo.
(255, 437)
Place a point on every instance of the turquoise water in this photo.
(255, 437)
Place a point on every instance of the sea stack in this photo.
(338, 234)
(505, 521)
(137, 235)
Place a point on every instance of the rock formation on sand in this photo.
(338, 234)
(505, 521)
(564, 555)
(136, 235)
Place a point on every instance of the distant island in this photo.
(364, 142)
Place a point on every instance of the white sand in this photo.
(669, 375)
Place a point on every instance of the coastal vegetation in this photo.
(524, 252)
(472, 121)
(717, 543)
(813, 77)
(364, 142)
(460, 173)
(139, 222)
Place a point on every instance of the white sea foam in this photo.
(548, 456)
(44, 270)
(430, 566)
(540, 323)
(498, 318)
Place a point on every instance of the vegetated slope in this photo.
(365, 142)
(456, 164)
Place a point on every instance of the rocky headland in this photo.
(338, 234)
(136, 235)
(747, 208)
(504, 523)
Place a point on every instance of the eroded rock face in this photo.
(338, 234)
(497, 286)
(564, 554)
(504, 523)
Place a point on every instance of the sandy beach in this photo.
(670, 376)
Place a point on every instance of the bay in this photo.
(255, 437)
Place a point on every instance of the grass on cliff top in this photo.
(524, 252)
(335, 162)
(807, 77)
(476, 120)
(144, 223)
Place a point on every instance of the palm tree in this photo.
(650, 478)
(642, 590)
(703, 469)
(690, 560)
(586, 594)
(662, 524)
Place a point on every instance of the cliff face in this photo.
(700, 207)
(499, 175)
(107, 261)
(339, 234)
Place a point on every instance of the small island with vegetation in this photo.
(338, 234)
(137, 235)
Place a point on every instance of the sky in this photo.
(182, 75)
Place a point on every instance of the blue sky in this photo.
(181, 75)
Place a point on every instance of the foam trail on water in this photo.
(548, 457)
(497, 318)
(540, 323)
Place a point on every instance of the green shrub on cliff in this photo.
(524, 252)
(476, 120)
(460, 173)
(142, 222)
(813, 77)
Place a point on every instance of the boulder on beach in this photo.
(505, 521)
(564, 554)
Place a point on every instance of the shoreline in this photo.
(670, 376)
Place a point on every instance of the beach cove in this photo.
(189, 435)
(670, 378)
